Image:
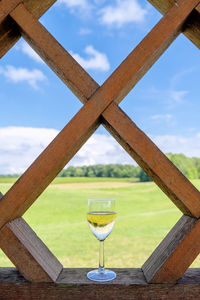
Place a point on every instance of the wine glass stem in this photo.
(101, 256)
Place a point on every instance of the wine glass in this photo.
(101, 219)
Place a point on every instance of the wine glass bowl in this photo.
(101, 219)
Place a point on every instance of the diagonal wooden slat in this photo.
(192, 28)
(175, 253)
(9, 33)
(83, 85)
(6, 7)
(52, 160)
(28, 253)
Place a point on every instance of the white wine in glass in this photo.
(101, 219)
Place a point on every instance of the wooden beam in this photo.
(6, 7)
(192, 28)
(173, 183)
(9, 33)
(130, 284)
(28, 253)
(175, 253)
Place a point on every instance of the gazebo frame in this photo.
(164, 275)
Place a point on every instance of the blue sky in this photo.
(99, 34)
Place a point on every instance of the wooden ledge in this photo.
(72, 284)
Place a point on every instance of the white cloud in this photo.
(32, 77)
(190, 146)
(95, 61)
(125, 11)
(30, 52)
(20, 146)
(170, 97)
(85, 31)
(101, 149)
(177, 96)
(178, 78)
(165, 117)
(76, 4)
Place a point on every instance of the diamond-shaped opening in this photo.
(145, 214)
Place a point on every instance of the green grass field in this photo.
(145, 215)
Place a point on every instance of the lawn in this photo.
(145, 215)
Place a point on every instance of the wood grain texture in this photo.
(192, 28)
(173, 183)
(71, 138)
(175, 253)
(6, 7)
(28, 253)
(130, 284)
(9, 33)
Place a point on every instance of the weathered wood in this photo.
(9, 33)
(129, 284)
(6, 7)
(175, 253)
(28, 253)
(113, 91)
(173, 183)
(192, 28)
(70, 139)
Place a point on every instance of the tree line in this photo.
(190, 167)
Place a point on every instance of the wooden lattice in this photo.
(182, 244)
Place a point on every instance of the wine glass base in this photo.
(99, 276)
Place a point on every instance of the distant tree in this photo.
(79, 172)
(190, 167)
(91, 172)
(100, 170)
(143, 177)
(196, 162)
(184, 164)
